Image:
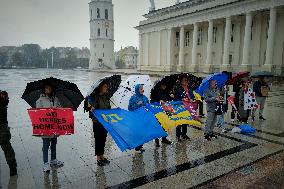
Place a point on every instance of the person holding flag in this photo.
(138, 100)
(184, 93)
(162, 97)
(99, 99)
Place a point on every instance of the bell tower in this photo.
(101, 34)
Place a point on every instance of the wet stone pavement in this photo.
(226, 162)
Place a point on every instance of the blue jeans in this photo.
(46, 143)
(220, 121)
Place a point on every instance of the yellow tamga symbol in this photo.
(114, 118)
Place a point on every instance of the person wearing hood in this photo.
(163, 95)
(138, 100)
(48, 100)
(5, 135)
(183, 92)
(99, 99)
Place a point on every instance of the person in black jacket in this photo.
(163, 95)
(5, 134)
(183, 92)
(236, 88)
(99, 100)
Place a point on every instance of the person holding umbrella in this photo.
(236, 81)
(183, 92)
(99, 100)
(48, 100)
(261, 88)
(211, 97)
(52, 93)
(162, 97)
(5, 134)
(243, 113)
(138, 100)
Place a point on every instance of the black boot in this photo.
(100, 163)
(13, 171)
(166, 141)
(207, 137)
(262, 118)
(185, 137)
(157, 143)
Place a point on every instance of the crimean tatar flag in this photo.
(178, 115)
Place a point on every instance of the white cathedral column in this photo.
(208, 66)
(140, 63)
(270, 41)
(167, 67)
(158, 63)
(146, 61)
(193, 66)
(228, 28)
(246, 66)
(180, 67)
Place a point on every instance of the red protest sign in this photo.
(52, 121)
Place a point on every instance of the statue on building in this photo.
(152, 7)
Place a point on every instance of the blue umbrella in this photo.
(220, 77)
(262, 74)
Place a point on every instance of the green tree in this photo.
(32, 54)
(18, 59)
(3, 58)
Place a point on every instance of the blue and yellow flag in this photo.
(130, 129)
(172, 114)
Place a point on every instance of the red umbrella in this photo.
(238, 76)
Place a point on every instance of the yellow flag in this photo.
(197, 96)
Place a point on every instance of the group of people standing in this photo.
(216, 100)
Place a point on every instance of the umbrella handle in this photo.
(113, 103)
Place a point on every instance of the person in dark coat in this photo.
(260, 96)
(5, 135)
(244, 114)
(99, 100)
(163, 95)
(236, 89)
(222, 106)
(183, 92)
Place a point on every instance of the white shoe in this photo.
(224, 131)
(56, 163)
(46, 168)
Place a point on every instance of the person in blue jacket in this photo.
(138, 100)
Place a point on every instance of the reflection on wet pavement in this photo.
(180, 165)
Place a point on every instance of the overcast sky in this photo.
(66, 22)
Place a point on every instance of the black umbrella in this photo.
(67, 93)
(193, 81)
(172, 80)
(169, 81)
(112, 81)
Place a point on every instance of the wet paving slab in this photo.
(189, 164)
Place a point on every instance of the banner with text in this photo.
(52, 121)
